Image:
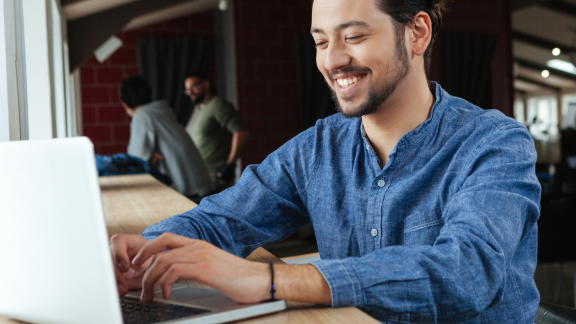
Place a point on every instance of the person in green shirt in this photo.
(216, 129)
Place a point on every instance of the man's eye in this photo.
(319, 44)
(355, 38)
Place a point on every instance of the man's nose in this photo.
(336, 57)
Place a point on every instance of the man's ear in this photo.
(421, 34)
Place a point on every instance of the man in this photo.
(215, 128)
(156, 136)
(424, 206)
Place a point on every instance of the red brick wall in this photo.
(105, 122)
(266, 68)
(267, 74)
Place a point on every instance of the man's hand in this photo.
(241, 280)
(227, 172)
(155, 158)
(123, 248)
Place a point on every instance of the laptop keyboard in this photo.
(134, 311)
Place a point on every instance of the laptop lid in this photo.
(56, 265)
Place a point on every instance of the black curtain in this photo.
(313, 92)
(467, 61)
(166, 62)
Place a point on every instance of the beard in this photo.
(199, 98)
(376, 98)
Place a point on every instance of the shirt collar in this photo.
(202, 106)
(416, 135)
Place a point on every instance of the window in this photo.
(519, 113)
(542, 118)
(38, 95)
(13, 119)
(542, 121)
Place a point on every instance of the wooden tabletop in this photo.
(132, 203)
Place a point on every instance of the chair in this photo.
(554, 314)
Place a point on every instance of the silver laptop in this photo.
(55, 263)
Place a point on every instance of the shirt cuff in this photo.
(149, 236)
(344, 283)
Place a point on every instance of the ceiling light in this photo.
(562, 66)
(556, 51)
(223, 5)
(545, 73)
(106, 50)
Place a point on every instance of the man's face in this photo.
(360, 52)
(196, 89)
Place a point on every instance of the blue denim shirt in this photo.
(445, 232)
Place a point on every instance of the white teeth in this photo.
(345, 83)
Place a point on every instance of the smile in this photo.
(347, 82)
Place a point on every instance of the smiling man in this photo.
(423, 205)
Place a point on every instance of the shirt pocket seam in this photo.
(423, 226)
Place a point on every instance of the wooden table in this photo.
(132, 203)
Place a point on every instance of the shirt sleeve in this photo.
(464, 272)
(142, 136)
(263, 207)
(228, 118)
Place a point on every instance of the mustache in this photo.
(349, 69)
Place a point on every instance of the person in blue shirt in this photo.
(423, 205)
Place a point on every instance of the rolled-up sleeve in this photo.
(263, 207)
(142, 136)
(464, 272)
(229, 119)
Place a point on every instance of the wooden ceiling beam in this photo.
(87, 33)
(521, 4)
(541, 67)
(541, 42)
(67, 2)
(540, 84)
(561, 7)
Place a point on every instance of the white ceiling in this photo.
(546, 23)
(552, 26)
(535, 54)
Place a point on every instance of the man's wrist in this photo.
(261, 280)
(304, 283)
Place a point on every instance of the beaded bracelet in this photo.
(272, 290)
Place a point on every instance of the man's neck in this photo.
(408, 107)
(207, 99)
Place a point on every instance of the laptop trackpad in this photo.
(180, 293)
(188, 294)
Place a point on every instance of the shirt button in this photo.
(381, 183)
(374, 232)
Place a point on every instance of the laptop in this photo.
(56, 265)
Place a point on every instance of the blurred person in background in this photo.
(157, 137)
(215, 128)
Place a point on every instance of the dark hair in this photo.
(135, 91)
(403, 12)
(203, 77)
